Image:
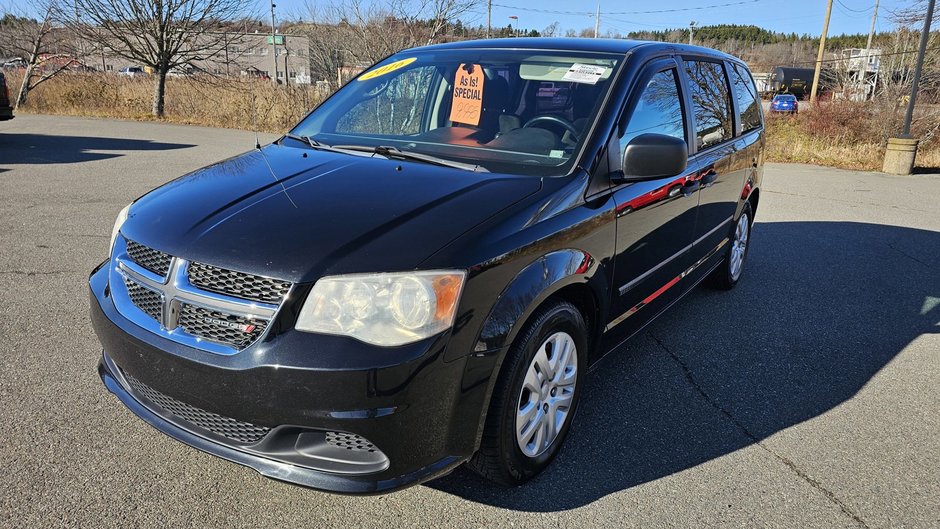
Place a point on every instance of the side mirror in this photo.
(654, 156)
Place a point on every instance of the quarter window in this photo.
(746, 95)
(711, 103)
(658, 111)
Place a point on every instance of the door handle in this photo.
(690, 188)
(709, 178)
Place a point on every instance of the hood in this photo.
(324, 213)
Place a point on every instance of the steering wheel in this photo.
(564, 123)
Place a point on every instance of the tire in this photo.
(729, 272)
(556, 327)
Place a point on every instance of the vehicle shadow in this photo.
(19, 149)
(823, 306)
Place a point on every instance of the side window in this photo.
(397, 108)
(711, 103)
(747, 99)
(658, 111)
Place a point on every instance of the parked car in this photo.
(6, 107)
(785, 103)
(380, 296)
(132, 71)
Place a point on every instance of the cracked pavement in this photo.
(806, 397)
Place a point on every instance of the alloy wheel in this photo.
(547, 394)
(739, 246)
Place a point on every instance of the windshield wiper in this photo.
(398, 154)
(314, 144)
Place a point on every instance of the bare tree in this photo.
(552, 30)
(43, 45)
(349, 32)
(444, 13)
(159, 34)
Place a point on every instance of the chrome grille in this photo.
(146, 300)
(153, 260)
(349, 441)
(184, 304)
(228, 329)
(240, 432)
(237, 284)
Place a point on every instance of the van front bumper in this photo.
(280, 408)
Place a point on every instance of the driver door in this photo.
(655, 218)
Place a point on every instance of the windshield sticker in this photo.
(386, 69)
(584, 73)
(467, 104)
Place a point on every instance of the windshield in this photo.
(524, 112)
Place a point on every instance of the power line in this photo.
(654, 11)
(867, 9)
(679, 9)
(843, 59)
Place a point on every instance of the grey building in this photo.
(243, 54)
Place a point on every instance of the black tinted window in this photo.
(747, 99)
(711, 103)
(658, 111)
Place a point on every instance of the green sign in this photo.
(278, 39)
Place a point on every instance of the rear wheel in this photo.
(535, 397)
(728, 273)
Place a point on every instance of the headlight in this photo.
(118, 222)
(383, 309)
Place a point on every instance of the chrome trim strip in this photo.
(175, 289)
(713, 230)
(626, 288)
(633, 310)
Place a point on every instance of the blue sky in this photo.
(800, 16)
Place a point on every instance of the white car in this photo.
(131, 71)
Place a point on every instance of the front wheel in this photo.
(728, 273)
(535, 396)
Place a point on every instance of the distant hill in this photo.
(750, 34)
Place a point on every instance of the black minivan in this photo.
(421, 272)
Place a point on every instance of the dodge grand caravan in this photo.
(420, 273)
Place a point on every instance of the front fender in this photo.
(532, 286)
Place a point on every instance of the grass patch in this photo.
(210, 102)
(848, 135)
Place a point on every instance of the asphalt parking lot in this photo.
(806, 397)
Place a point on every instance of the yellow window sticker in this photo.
(467, 104)
(382, 70)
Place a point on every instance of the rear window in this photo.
(746, 96)
(711, 103)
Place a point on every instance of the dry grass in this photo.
(209, 102)
(848, 135)
(838, 134)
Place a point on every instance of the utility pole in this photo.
(274, 41)
(597, 21)
(489, 14)
(871, 32)
(901, 151)
(691, 28)
(924, 38)
(863, 75)
(819, 54)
